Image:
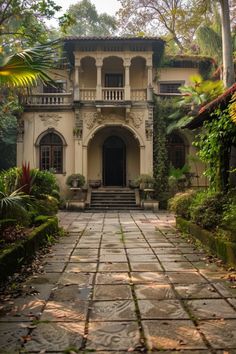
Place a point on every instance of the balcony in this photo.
(112, 94)
(48, 99)
(109, 95)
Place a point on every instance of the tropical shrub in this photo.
(180, 204)
(45, 183)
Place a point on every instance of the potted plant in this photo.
(76, 180)
(145, 181)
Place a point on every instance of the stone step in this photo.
(113, 199)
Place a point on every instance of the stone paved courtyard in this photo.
(122, 282)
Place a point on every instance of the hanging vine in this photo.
(163, 107)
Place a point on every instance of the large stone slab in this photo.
(162, 309)
(113, 336)
(167, 335)
(118, 310)
(112, 292)
(57, 337)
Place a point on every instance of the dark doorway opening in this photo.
(114, 162)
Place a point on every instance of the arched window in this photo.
(176, 151)
(51, 152)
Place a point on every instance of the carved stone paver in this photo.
(119, 283)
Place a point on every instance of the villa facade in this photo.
(98, 120)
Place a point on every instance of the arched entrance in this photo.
(114, 162)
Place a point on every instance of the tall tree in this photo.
(228, 65)
(22, 22)
(87, 21)
(177, 18)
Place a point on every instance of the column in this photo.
(76, 84)
(99, 62)
(85, 162)
(127, 63)
(142, 160)
(149, 80)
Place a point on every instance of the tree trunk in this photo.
(228, 66)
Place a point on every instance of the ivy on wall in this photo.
(215, 143)
(163, 108)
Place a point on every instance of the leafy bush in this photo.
(45, 183)
(80, 180)
(46, 206)
(207, 210)
(181, 203)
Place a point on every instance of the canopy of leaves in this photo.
(23, 21)
(87, 22)
(232, 108)
(177, 18)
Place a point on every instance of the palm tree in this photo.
(26, 68)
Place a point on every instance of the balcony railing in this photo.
(138, 95)
(113, 94)
(48, 99)
(88, 94)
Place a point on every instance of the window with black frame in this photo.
(176, 150)
(51, 153)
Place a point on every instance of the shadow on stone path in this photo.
(122, 282)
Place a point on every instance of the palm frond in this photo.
(28, 67)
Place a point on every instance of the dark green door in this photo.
(114, 162)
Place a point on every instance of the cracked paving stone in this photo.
(119, 310)
(81, 267)
(185, 277)
(177, 334)
(177, 266)
(196, 291)
(220, 333)
(154, 291)
(113, 267)
(65, 311)
(11, 337)
(112, 292)
(56, 336)
(112, 278)
(71, 293)
(76, 279)
(149, 277)
(113, 336)
(54, 267)
(21, 309)
(162, 309)
(146, 267)
(211, 308)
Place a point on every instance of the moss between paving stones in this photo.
(22, 251)
(224, 249)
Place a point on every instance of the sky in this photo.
(109, 6)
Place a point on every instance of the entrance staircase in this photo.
(113, 199)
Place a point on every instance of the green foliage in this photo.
(46, 206)
(87, 22)
(45, 183)
(22, 22)
(208, 213)
(200, 91)
(210, 42)
(80, 180)
(214, 144)
(163, 108)
(180, 204)
(27, 67)
(14, 205)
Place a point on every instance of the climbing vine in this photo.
(215, 143)
(163, 107)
